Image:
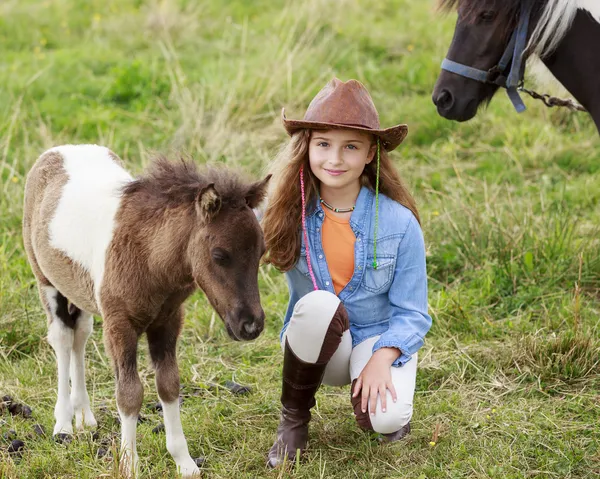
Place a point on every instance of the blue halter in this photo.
(496, 75)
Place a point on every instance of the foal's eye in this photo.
(221, 256)
(487, 15)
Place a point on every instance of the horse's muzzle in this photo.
(451, 109)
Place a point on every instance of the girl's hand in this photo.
(376, 377)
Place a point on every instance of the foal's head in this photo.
(215, 235)
(482, 32)
(225, 248)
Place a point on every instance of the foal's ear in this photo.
(257, 192)
(208, 202)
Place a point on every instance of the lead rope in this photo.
(306, 245)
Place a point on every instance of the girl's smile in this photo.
(335, 172)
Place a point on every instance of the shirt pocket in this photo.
(379, 280)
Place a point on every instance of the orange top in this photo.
(338, 245)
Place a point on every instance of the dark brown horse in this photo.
(132, 250)
(493, 39)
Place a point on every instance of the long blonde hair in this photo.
(282, 220)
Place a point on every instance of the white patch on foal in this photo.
(60, 338)
(592, 6)
(84, 220)
(69, 348)
(80, 400)
(176, 442)
(129, 455)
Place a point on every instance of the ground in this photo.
(509, 378)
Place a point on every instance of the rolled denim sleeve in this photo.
(410, 320)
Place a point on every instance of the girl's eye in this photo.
(352, 147)
(323, 143)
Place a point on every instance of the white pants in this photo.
(305, 335)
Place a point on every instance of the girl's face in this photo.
(338, 157)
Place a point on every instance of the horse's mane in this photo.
(556, 18)
(174, 183)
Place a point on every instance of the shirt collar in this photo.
(361, 212)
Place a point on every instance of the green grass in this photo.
(509, 379)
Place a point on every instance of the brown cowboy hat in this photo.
(346, 105)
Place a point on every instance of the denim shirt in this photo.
(390, 301)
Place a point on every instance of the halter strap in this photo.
(496, 75)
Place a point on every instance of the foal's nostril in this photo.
(444, 100)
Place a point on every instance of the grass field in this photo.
(509, 381)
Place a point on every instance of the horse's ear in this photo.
(208, 202)
(257, 192)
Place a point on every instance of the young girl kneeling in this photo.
(346, 231)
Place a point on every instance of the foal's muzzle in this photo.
(242, 325)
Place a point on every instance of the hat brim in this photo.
(390, 137)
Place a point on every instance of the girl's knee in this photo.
(316, 326)
(316, 304)
(396, 416)
(393, 419)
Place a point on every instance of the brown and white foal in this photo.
(132, 250)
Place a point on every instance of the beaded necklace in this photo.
(337, 210)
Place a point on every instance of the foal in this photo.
(132, 250)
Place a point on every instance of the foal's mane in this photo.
(555, 19)
(175, 183)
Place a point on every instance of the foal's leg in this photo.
(121, 342)
(79, 395)
(61, 335)
(162, 342)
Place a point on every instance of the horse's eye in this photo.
(221, 256)
(487, 15)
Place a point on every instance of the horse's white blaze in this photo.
(176, 442)
(80, 400)
(129, 456)
(60, 338)
(84, 221)
(592, 6)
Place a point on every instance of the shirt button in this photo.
(318, 229)
(359, 268)
(350, 288)
(326, 283)
(320, 256)
(357, 239)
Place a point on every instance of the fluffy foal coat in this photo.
(102, 242)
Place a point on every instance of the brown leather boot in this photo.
(300, 383)
(398, 435)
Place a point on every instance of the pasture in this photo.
(509, 381)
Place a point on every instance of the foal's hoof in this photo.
(63, 438)
(200, 461)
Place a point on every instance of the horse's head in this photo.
(482, 33)
(224, 252)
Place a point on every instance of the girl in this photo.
(346, 231)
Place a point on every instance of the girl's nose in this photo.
(337, 158)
